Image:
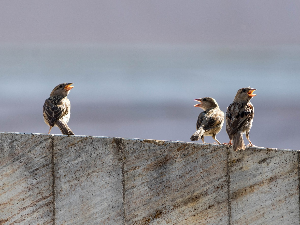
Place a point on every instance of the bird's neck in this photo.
(211, 108)
(57, 96)
(56, 99)
(238, 100)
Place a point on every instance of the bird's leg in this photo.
(214, 137)
(202, 138)
(248, 138)
(49, 130)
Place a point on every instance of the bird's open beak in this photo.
(198, 100)
(68, 87)
(250, 93)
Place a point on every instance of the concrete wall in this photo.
(47, 179)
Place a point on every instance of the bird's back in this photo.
(55, 108)
(239, 117)
(210, 118)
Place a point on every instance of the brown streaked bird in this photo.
(210, 121)
(56, 109)
(239, 118)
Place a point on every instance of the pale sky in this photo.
(156, 21)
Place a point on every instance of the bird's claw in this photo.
(229, 143)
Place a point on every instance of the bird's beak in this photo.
(68, 87)
(198, 105)
(250, 93)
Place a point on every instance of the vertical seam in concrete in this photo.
(53, 177)
(228, 186)
(120, 146)
(123, 184)
(298, 161)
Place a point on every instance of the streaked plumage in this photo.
(56, 109)
(239, 118)
(210, 121)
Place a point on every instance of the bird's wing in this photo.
(210, 120)
(53, 112)
(214, 119)
(237, 116)
(201, 117)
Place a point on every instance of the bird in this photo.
(56, 109)
(239, 118)
(210, 121)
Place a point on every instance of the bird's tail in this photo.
(197, 135)
(238, 142)
(64, 128)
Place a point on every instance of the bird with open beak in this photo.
(57, 108)
(239, 118)
(210, 121)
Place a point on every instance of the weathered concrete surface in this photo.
(175, 183)
(264, 187)
(46, 179)
(88, 181)
(26, 181)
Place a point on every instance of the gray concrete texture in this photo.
(56, 179)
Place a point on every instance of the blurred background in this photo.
(137, 66)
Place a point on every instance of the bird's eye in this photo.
(204, 99)
(60, 86)
(243, 90)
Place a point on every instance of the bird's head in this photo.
(244, 94)
(206, 103)
(62, 89)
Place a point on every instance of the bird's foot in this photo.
(219, 143)
(250, 145)
(229, 143)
